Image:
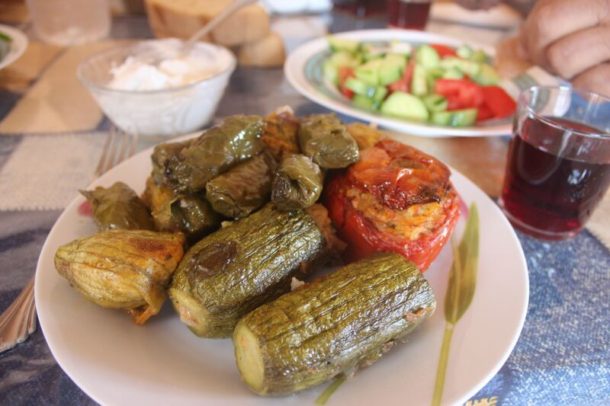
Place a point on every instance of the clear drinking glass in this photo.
(410, 14)
(70, 22)
(558, 166)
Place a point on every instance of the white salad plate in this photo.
(119, 363)
(303, 68)
(18, 45)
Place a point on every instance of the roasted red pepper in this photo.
(397, 199)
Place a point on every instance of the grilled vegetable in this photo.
(240, 267)
(190, 214)
(118, 207)
(122, 269)
(396, 198)
(297, 183)
(242, 189)
(235, 140)
(326, 141)
(280, 134)
(333, 325)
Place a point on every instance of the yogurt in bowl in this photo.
(154, 89)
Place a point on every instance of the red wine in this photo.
(361, 8)
(411, 14)
(550, 190)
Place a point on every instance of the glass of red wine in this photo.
(409, 14)
(558, 165)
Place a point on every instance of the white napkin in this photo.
(45, 172)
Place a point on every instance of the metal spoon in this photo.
(146, 52)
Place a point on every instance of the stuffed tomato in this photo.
(395, 199)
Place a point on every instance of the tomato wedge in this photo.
(498, 101)
(484, 113)
(344, 74)
(460, 93)
(404, 83)
(443, 50)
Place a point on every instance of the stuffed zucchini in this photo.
(240, 267)
(336, 324)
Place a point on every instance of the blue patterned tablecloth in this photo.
(562, 356)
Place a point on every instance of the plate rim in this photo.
(455, 174)
(18, 45)
(297, 60)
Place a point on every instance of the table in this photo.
(562, 356)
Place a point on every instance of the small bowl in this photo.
(166, 112)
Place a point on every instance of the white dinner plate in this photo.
(18, 45)
(162, 363)
(303, 68)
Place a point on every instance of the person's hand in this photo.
(571, 39)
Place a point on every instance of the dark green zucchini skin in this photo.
(239, 267)
(332, 325)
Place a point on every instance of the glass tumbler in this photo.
(558, 166)
(70, 22)
(409, 14)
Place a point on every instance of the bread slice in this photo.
(182, 18)
(250, 24)
(267, 52)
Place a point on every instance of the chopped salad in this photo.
(432, 83)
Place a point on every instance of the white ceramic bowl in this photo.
(166, 112)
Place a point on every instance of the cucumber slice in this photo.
(435, 102)
(375, 93)
(487, 76)
(455, 118)
(404, 105)
(363, 102)
(464, 51)
(427, 57)
(403, 48)
(357, 86)
(341, 44)
(453, 73)
(369, 72)
(380, 93)
(330, 67)
(396, 59)
(419, 83)
(391, 69)
(470, 68)
(330, 72)
(479, 56)
(435, 73)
